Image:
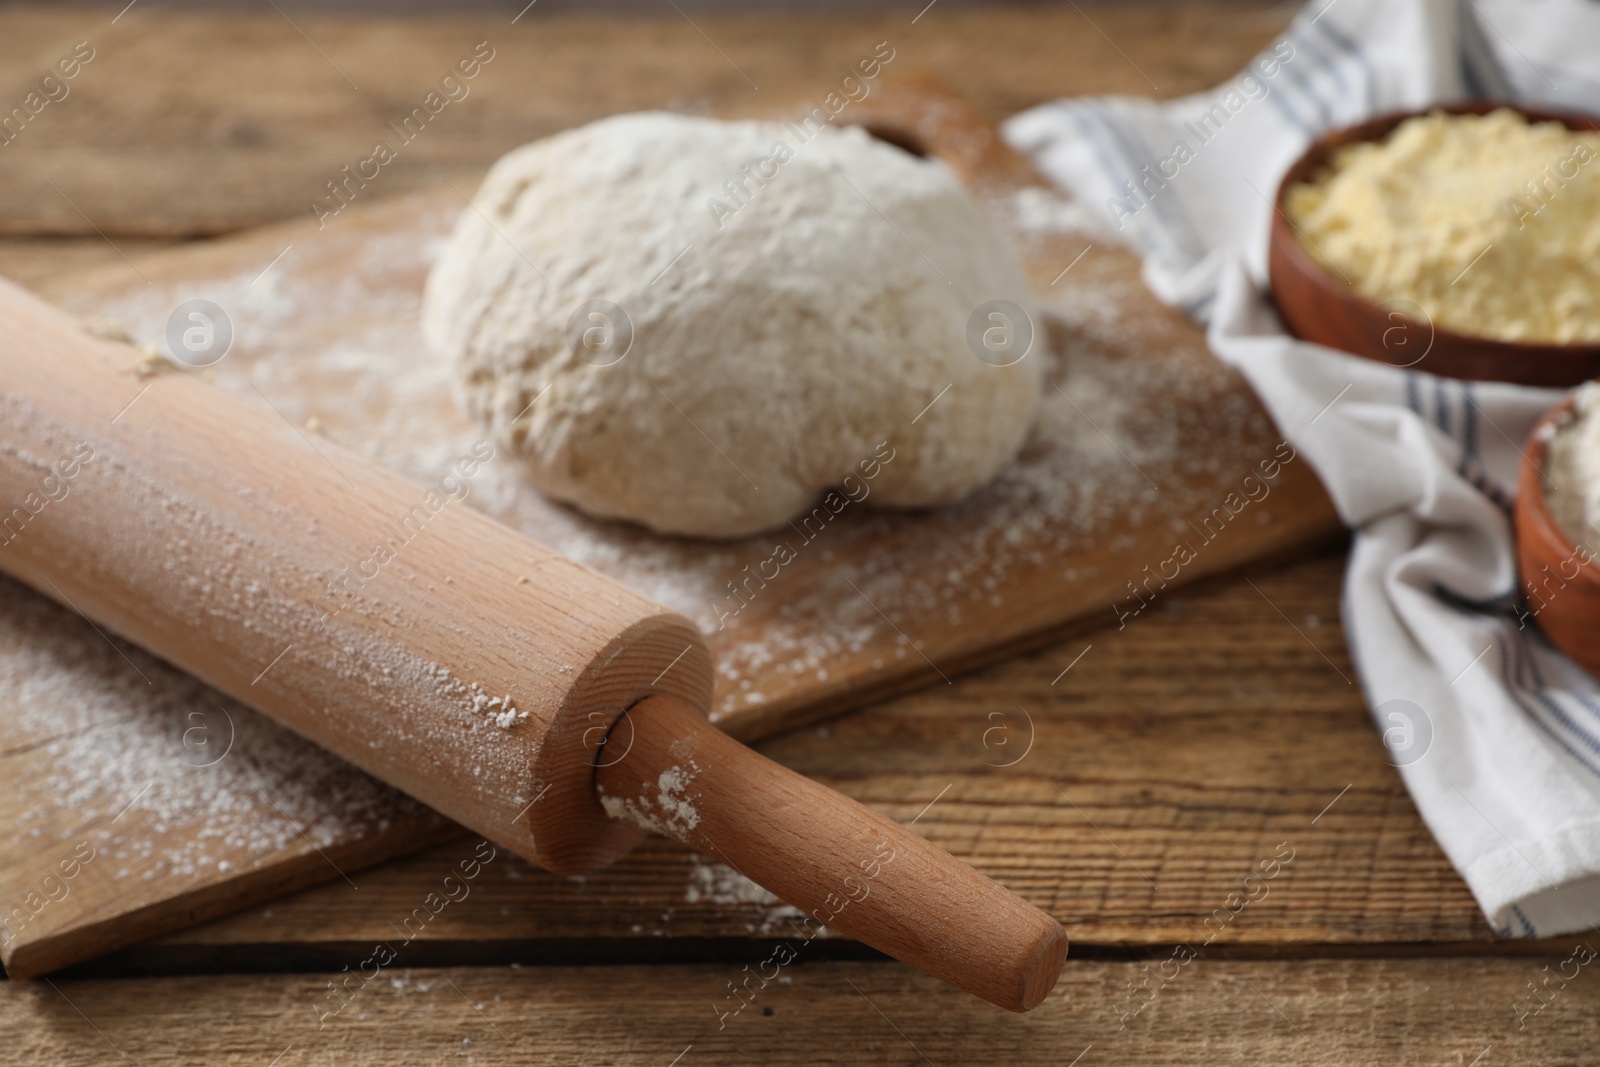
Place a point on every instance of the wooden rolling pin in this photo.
(545, 706)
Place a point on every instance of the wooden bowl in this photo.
(1319, 306)
(1559, 578)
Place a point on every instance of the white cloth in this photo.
(1496, 734)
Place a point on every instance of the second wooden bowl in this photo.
(1319, 306)
(1560, 579)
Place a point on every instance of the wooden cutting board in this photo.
(142, 801)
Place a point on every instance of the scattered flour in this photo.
(1135, 421)
(721, 885)
(171, 779)
(498, 709)
(1038, 210)
(331, 337)
(668, 809)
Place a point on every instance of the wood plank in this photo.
(1192, 743)
(325, 327)
(1330, 1012)
(1075, 524)
(191, 123)
(126, 779)
(32, 261)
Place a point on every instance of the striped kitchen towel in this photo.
(1496, 734)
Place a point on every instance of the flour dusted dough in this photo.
(793, 305)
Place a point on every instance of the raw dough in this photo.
(792, 300)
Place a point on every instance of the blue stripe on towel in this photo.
(1524, 682)
(1288, 112)
(1480, 70)
(1108, 166)
(1292, 72)
(1539, 693)
(1200, 307)
(1368, 78)
(1584, 701)
(1327, 63)
(1174, 227)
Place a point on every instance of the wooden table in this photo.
(1127, 780)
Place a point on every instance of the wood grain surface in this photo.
(1198, 735)
(836, 863)
(1183, 749)
(469, 667)
(1273, 735)
(1144, 443)
(1360, 1013)
(187, 124)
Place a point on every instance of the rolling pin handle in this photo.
(841, 864)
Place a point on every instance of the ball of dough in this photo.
(701, 326)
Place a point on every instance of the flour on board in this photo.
(170, 778)
(337, 344)
(1108, 450)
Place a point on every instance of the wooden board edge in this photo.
(25, 957)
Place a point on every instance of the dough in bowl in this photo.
(701, 326)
